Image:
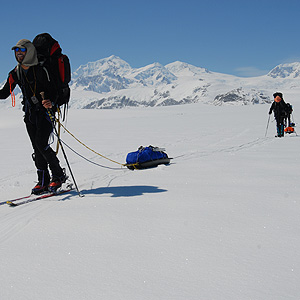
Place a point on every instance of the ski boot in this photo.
(56, 182)
(43, 181)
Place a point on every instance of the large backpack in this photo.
(55, 63)
(289, 108)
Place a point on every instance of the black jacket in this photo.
(280, 109)
(32, 83)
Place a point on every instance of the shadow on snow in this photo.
(124, 191)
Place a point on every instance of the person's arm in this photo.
(271, 108)
(8, 87)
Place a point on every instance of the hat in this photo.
(21, 44)
(31, 55)
(278, 94)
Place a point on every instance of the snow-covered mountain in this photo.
(291, 70)
(112, 83)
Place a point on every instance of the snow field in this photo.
(220, 222)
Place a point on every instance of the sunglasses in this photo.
(20, 49)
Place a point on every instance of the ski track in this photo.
(15, 175)
(230, 149)
(93, 182)
(211, 149)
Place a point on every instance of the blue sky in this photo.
(243, 38)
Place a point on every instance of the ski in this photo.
(13, 203)
(13, 200)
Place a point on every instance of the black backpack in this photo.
(54, 62)
(289, 108)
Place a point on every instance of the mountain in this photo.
(104, 67)
(291, 70)
(102, 76)
(185, 69)
(241, 96)
(112, 83)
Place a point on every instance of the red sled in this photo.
(289, 130)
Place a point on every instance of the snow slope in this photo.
(220, 222)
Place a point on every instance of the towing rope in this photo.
(58, 131)
(83, 144)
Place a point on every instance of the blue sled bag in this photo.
(146, 157)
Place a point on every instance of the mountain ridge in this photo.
(176, 83)
(112, 83)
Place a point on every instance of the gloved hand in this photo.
(47, 103)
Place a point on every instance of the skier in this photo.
(280, 108)
(33, 80)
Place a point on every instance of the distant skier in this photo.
(280, 112)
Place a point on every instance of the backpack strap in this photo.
(61, 68)
(47, 73)
(55, 47)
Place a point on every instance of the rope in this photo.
(88, 160)
(58, 131)
(80, 142)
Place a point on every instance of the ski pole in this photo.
(61, 146)
(267, 126)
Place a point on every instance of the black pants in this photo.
(280, 125)
(39, 128)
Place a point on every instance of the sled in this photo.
(289, 130)
(146, 157)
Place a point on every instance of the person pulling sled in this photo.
(33, 80)
(280, 108)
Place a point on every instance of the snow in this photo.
(220, 222)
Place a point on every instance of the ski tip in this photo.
(11, 203)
